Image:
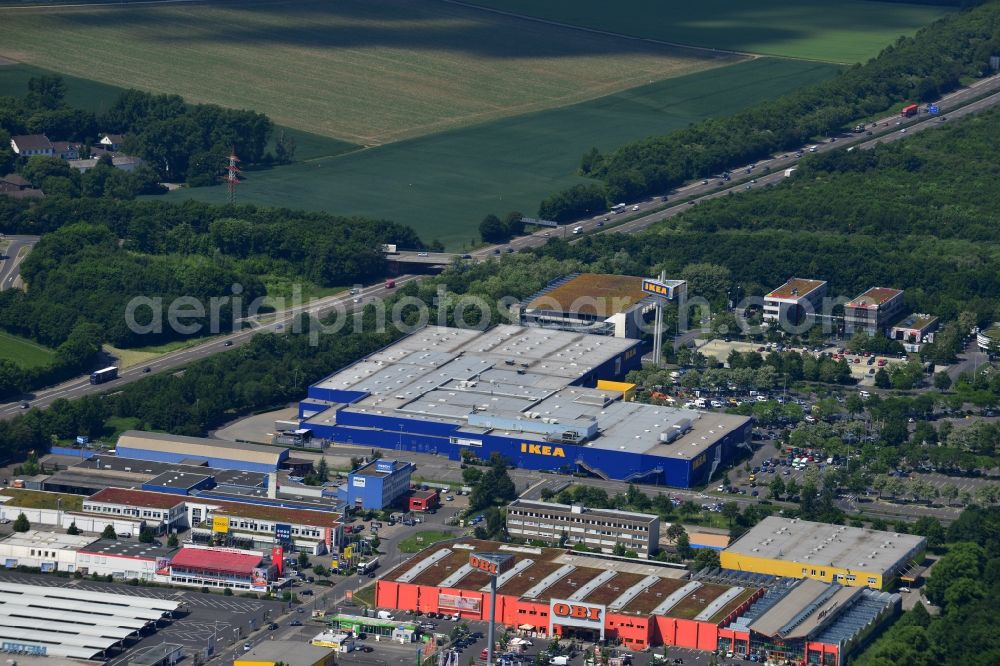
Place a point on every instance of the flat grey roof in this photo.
(554, 506)
(178, 479)
(793, 540)
(200, 447)
(107, 464)
(293, 653)
(128, 548)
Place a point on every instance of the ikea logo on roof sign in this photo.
(543, 450)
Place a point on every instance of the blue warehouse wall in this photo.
(384, 432)
(335, 395)
(220, 463)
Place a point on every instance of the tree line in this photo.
(96, 255)
(913, 69)
(965, 584)
(179, 142)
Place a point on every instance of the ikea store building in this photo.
(541, 398)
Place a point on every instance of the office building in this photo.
(873, 312)
(850, 556)
(794, 303)
(598, 529)
(161, 512)
(264, 527)
(914, 331)
(377, 485)
(125, 560)
(48, 551)
(988, 339)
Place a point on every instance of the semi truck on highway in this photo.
(908, 111)
(105, 375)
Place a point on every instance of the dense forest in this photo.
(96, 255)
(965, 584)
(914, 69)
(918, 214)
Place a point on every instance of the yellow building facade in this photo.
(789, 569)
(849, 556)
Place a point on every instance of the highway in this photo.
(638, 216)
(18, 248)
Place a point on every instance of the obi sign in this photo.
(492, 563)
(575, 614)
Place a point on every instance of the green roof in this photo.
(37, 499)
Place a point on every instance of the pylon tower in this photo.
(232, 175)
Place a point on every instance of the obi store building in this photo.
(640, 604)
(543, 399)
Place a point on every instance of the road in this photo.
(18, 248)
(639, 216)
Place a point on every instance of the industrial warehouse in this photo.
(526, 394)
(546, 592)
(852, 556)
(63, 623)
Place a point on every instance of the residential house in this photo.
(28, 145)
(112, 142)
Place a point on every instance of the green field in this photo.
(843, 32)
(420, 540)
(364, 72)
(442, 185)
(98, 97)
(24, 352)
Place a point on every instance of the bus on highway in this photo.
(105, 375)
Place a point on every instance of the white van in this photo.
(864, 394)
(577, 230)
(385, 615)
(700, 403)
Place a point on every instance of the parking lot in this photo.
(229, 619)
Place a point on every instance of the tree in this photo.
(854, 404)
(707, 558)
(172, 540)
(72, 530)
(942, 381)
(492, 230)
(791, 488)
(21, 524)
(950, 492)
(675, 531)
(146, 535)
(472, 475)
(730, 510)
(777, 487)
(322, 471)
(930, 528)
(109, 532)
(303, 560)
(684, 546)
(882, 379)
